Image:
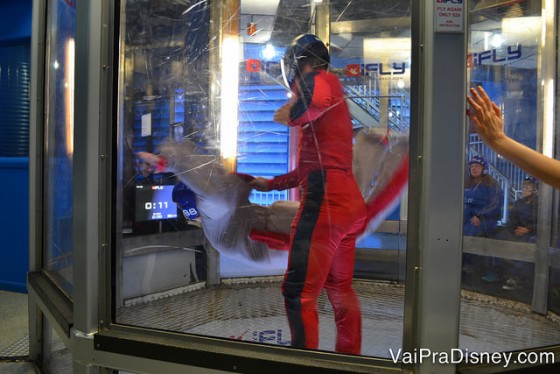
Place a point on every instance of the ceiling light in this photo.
(269, 52)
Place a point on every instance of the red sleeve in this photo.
(314, 98)
(284, 181)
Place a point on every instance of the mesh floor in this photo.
(253, 310)
(19, 348)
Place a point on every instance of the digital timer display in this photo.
(155, 203)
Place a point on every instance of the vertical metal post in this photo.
(36, 125)
(323, 22)
(437, 133)
(91, 186)
(212, 264)
(546, 135)
(92, 165)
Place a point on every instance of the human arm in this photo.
(314, 98)
(488, 122)
(279, 182)
(158, 162)
(282, 114)
(260, 184)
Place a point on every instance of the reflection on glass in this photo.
(59, 142)
(197, 240)
(501, 201)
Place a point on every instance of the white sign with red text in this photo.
(449, 15)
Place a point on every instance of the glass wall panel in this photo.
(200, 85)
(371, 52)
(59, 142)
(502, 222)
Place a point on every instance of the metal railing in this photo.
(267, 198)
(365, 92)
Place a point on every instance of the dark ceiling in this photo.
(160, 22)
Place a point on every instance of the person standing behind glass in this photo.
(483, 200)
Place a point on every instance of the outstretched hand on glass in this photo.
(487, 118)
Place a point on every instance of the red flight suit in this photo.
(331, 215)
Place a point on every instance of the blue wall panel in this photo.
(15, 20)
(15, 36)
(14, 228)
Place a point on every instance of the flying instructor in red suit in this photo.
(332, 211)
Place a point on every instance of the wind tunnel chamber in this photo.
(208, 94)
(186, 80)
(193, 260)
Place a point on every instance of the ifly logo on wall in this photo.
(253, 65)
(496, 56)
(394, 69)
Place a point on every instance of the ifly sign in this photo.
(394, 69)
(495, 56)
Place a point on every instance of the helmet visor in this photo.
(288, 67)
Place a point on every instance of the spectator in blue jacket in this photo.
(522, 221)
(521, 227)
(483, 200)
(482, 210)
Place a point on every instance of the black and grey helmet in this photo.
(302, 47)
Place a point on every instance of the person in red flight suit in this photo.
(332, 212)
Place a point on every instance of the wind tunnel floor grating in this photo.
(253, 310)
(19, 348)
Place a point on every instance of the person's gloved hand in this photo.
(260, 184)
(245, 177)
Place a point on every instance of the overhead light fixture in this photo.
(396, 49)
(496, 41)
(521, 25)
(269, 52)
